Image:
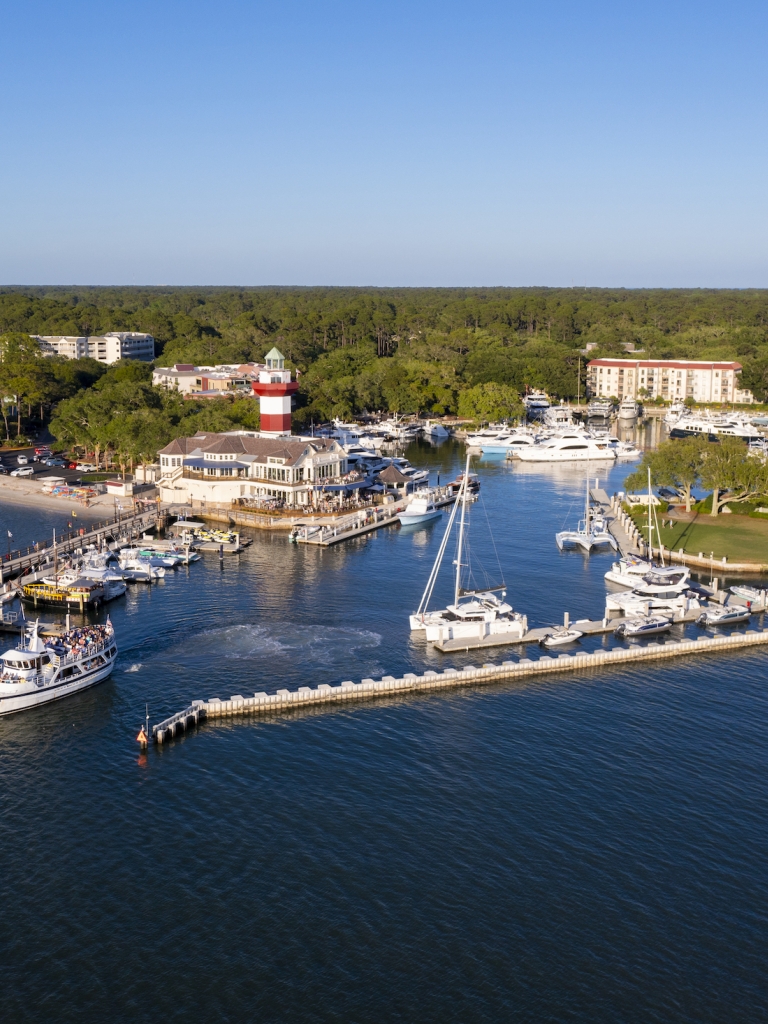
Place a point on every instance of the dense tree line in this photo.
(430, 351)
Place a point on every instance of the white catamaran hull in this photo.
(38, 695)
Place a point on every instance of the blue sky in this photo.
(418, 143)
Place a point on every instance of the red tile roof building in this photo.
(670, 379)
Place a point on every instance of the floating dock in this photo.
(389, 686)
(357, 523)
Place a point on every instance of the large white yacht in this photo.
(571, 446)
(535, 403)
(557, 417)
(434, 430)
(507, 441)
(725, 426)
(36, 672)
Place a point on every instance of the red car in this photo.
(45, 450)
(71, 465)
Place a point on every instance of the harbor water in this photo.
(591, 847)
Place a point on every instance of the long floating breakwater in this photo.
(388, 686)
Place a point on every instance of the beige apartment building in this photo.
(670, 379)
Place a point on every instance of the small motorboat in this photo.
(749, 594)
(723, 616)
(561, 636)
(645, 626)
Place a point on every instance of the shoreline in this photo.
(21, 492)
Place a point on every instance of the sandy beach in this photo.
(24, 491)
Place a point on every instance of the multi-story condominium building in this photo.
(219, 468)
(207, 381)
(107, 348)
(670, 379)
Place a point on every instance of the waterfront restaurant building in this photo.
(220, 468)
(674, 380)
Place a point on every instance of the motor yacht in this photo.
(600, 409)
(628, 409)
(476, 438)
(675, 603)
(140, 570)
(36, 673)
(536, 402)
(507, 443)
(420, 510)
(631, 572)
(713, 429)
(572, 446)
(557, 417)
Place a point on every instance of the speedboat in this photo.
(751, 594)
(573, 446)
(420, 510)
(723, 616)
(561, 636)
(35, 673)
(645, 626)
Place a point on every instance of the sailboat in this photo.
(474, 614)
(591, 532)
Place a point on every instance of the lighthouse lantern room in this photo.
(275, 390)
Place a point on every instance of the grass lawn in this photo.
(738, 538)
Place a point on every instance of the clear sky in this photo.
(385, 143)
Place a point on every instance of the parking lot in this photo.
(9, 462)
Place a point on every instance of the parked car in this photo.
(23, 471)
(86, 467)
(3, 471)
(71, 465)
(22, 459)
(55, 462)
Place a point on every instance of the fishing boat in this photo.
(591, 532)
(35, 672)
(561, 635)
(644, 626)
(420, 510)
(723, 616)
(475, 613)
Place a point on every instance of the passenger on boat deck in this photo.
(80, 638)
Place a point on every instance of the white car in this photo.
(23, 471)
(86, 467)
(22, 460)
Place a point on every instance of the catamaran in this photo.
(474, 614)
(592, 531)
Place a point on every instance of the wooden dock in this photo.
(357, 523)
(388, 686)
(40, 554)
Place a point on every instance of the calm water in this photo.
(576, 849)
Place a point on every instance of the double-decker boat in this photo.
(37, 672)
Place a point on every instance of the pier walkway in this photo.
(34, 557)
(389, 686)
(356, 523)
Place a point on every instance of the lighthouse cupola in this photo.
(275, 390)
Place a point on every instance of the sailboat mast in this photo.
(55, 560)
(438, 561)
(650, 523)
(586, 507)
(461, 531)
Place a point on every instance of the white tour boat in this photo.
(573, 446)
(421, 509)
(35, 672)
(474, 614)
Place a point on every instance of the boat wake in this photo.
(311, 644)
(134, 668)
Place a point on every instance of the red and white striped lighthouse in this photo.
(275, 388)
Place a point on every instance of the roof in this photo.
(392, 475)
(669, 364)
(274, 353)
(287, 448)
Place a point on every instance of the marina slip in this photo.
(517, 818)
